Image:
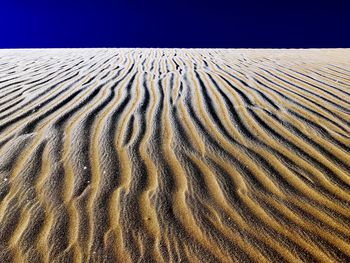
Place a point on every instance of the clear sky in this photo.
(182, 23)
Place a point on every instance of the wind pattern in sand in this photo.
(174, 155)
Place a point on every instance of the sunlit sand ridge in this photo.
(164, 155)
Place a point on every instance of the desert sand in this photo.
(174, 155)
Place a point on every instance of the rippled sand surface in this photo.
(174, 155)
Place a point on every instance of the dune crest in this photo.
(174, 155)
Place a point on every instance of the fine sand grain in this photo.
(174, 155)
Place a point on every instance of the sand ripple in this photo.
(164, 155)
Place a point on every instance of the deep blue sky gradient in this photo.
(191, 23)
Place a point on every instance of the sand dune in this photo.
(164, 155)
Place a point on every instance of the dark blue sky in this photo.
(191, 23)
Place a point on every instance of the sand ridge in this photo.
(174, 155)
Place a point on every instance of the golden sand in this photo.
(174, 155)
